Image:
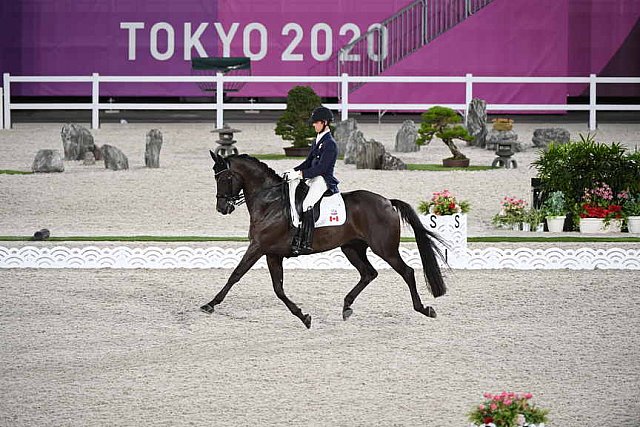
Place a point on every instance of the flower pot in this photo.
(526, 226)
(515, 227)
(540, 227)
(592, 225)
(455, 163)
(633, 223)
(502, 126)
(296, 151)
(555, 224)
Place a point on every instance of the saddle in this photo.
(328, 211)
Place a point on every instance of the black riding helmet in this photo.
(321, 114)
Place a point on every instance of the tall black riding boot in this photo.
(307, 232)
(296, 244)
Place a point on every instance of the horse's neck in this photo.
(255, 182)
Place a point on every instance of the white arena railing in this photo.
(342, 81)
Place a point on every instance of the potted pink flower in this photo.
(508, 409)
(443, 203)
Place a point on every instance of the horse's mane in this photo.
(263, 166)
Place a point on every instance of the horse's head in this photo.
(229, 185)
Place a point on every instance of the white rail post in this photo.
(592, 102)
(95, 101)
(344, 93)
(468, 97)
(219, 98)
(1, 109)
(7, 100)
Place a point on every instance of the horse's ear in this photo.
(214, 156)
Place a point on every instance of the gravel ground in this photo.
(116, 347)
(177, 198)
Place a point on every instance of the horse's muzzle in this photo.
(226, 208)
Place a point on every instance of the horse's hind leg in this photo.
(275, 268)
(395, 261)
(356, 253)
(250, 257)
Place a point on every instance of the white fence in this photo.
(343, 81)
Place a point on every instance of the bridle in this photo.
(230, 199)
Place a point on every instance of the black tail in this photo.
(426, 247)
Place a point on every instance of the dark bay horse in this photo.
(372, 222)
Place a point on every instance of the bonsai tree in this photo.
(294, 125)
(444, 123)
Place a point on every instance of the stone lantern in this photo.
(226, 141)
(504, 151)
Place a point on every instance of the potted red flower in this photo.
(599, 210)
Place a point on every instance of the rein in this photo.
(239, 199)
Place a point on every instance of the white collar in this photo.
(322, 134)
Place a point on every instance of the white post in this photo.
(592, 102)
(344, 93)
(468, 97)
(7, 100)
(95, 101)
(1, 109)
(219, 97)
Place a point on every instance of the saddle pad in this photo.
(332, 212)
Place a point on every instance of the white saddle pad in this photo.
(332, 211)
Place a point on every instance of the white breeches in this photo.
(317, 187)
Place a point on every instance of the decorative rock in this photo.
(353, 140)
(543, 137)
(372, 155)
(97, 152)
(390, 162)
(76, 140)
(369, 154)
(114, 159)
(89, 159)
(406, 137)
(343, 133)
(152, 149)
(494, 137)
(43, 234)
(48, 161)
(477, 122)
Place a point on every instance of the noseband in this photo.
(230, 199)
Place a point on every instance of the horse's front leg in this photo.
(275, 268)
(250, 257)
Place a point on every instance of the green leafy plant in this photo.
(443, 123)
(504, 409)
(443, 203)
(534, 217)
(572, 167)
(294, 125)
(630, 204)
(555, 204)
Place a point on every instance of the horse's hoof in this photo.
(306, 319)
(207, 308)
(346, 313)
(430, 312)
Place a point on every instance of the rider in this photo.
(317, 171)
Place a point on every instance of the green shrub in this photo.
(576, 166)
(294, 125)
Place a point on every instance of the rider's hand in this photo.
(292, 174)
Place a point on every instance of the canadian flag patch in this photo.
(333, 215)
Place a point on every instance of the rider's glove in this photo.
(292, 174)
